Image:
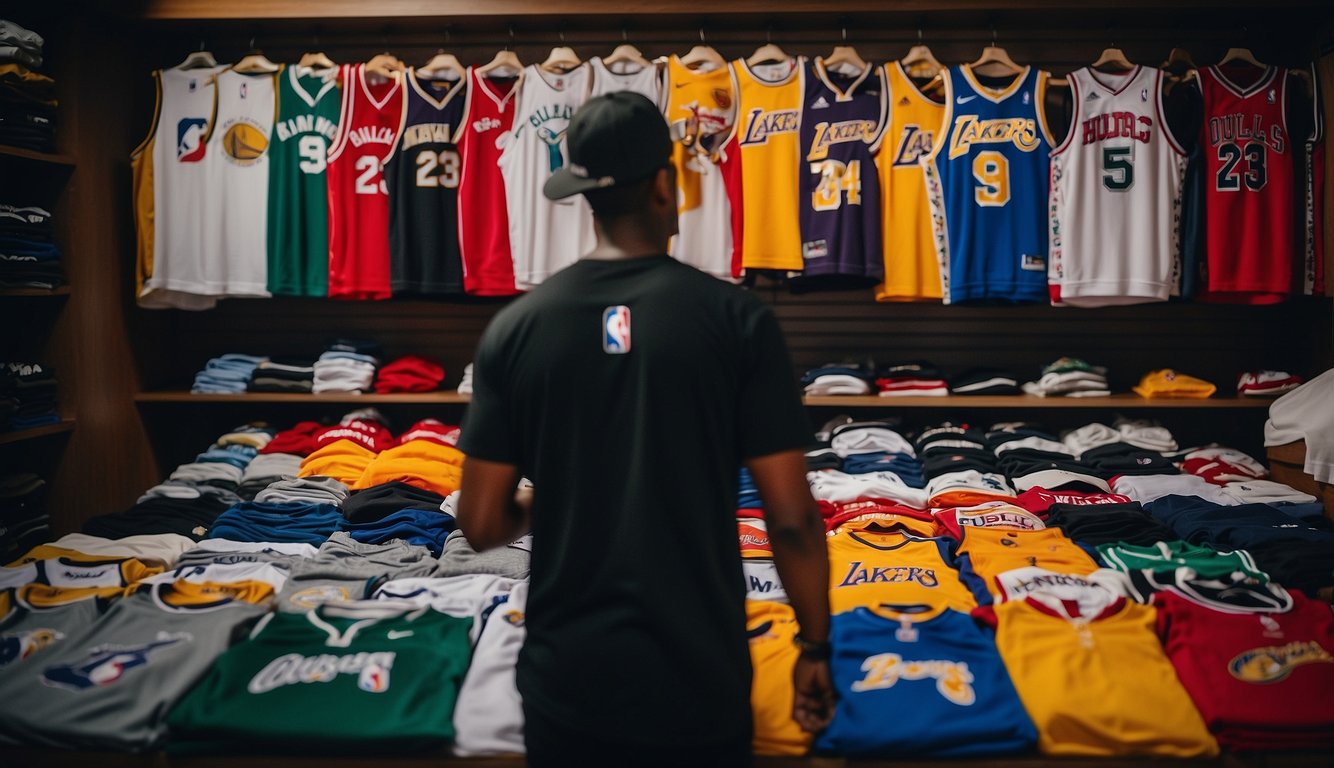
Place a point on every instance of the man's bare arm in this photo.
(490, 512)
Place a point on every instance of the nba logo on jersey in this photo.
(107, 665)
(374, 678)
(190, 139)
(616, 330)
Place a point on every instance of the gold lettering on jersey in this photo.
(968, 130)
(370, 135)
(914, 144)
(953, 680)
(764, 124)
(838, 133)
(1117, 125)
(1274, 663)
(427, 133)
(1241, 129)
(299, 124)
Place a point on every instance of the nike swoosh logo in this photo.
(395, 634)
(965, 99)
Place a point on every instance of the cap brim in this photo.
(563, 184)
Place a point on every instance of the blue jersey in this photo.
(987, 180)
(931, 688)
(841, 121)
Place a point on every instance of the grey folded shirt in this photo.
(316, 488)
(346, 570)
(458, 558)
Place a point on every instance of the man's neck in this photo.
(622, 242)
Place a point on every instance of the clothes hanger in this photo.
(255, 62)
(198, 59)
(385, 66)
(316, 60)
(562, 59)
(625, 53)
(504, 65)
(996, 59)
(919, 62)
(1115, 57)
(702, 56)
(442, 66)
(1180, 65)
(1243, 55)
(845, 57)
(769, 53)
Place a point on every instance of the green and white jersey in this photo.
(298, 240)
(1207, 562)
(374, 676)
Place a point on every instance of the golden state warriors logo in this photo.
(1276, 662)
(513, 618)
(968, 130)
(244, 143)
(953, 680)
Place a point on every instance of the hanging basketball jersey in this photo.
(423, 178)
(237, 163)
(624, 76)
(1313, 282)
(760, 164)
(1249, 164)
(358, 195)
(1116, 184)
(484, 235)
(700, 108)
(839, 191)
(545, 235)
(987, 179)
(298, 236)
(171, 194)
(913, 120)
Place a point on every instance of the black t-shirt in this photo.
(630, 392)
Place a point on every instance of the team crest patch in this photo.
(108, 664)
(616, 330)
(1274, 663)
(19, 646)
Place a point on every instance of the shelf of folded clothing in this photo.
(184, 396)
(41, 157)
(1030, 401)
(18, 436)
(60, 290)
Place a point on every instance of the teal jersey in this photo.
(304, 127)
(374, 676)
(1207, 562)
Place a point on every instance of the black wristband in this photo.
(812, 650)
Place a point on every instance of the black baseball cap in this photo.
(613, 140)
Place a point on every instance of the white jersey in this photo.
(545, 235)
(1116, 184)
(236, 232)
(624, 76)
(488, 719)
(182, 198)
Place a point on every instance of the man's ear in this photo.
(664, 186)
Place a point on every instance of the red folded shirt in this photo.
(409, 373)
(299, 440)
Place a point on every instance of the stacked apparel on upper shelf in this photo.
(27, 98)
(28, 258)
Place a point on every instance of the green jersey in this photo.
(1207, 562)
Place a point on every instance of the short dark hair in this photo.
(620, 201)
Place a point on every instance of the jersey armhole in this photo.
(883, 122)
(460, 132)
(945, 119)
(157, 115)
(736, 100)
(1040, 105)
(1172, 140)
(409, 83)
(340, 138)
(213, 115)
(1074, 114)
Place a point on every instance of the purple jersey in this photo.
(423, 180)
(841, 120)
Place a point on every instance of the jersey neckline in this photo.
(993, 95)
(1244, 93)
(366, 89)
(840, 95)
(437, 104)
(917, 92)
(786, 80)
(294, 80)
(1130, 77)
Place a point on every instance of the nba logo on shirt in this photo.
(616, 330)
(374, 678)
(190, 139)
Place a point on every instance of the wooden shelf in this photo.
(66, 425)
(1030, 401)
(181, 396)
(40, 157)
(60, 290)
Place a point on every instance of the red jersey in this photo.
(358, 197)
(1250, 166)
(1261, 680)
(484, 238)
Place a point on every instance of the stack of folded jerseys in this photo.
(27, 396)
(1170, 383)
(228, 374)
(409, 373)
(347, 366)
(960, 469)
(27, 98)
(28, 257)
(1070, 377)
(917, 377)
(847, 378)
(1267, 383)
(284, 374)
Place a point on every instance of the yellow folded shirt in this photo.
(425, 464)
(343, 460)
(1169, 383)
